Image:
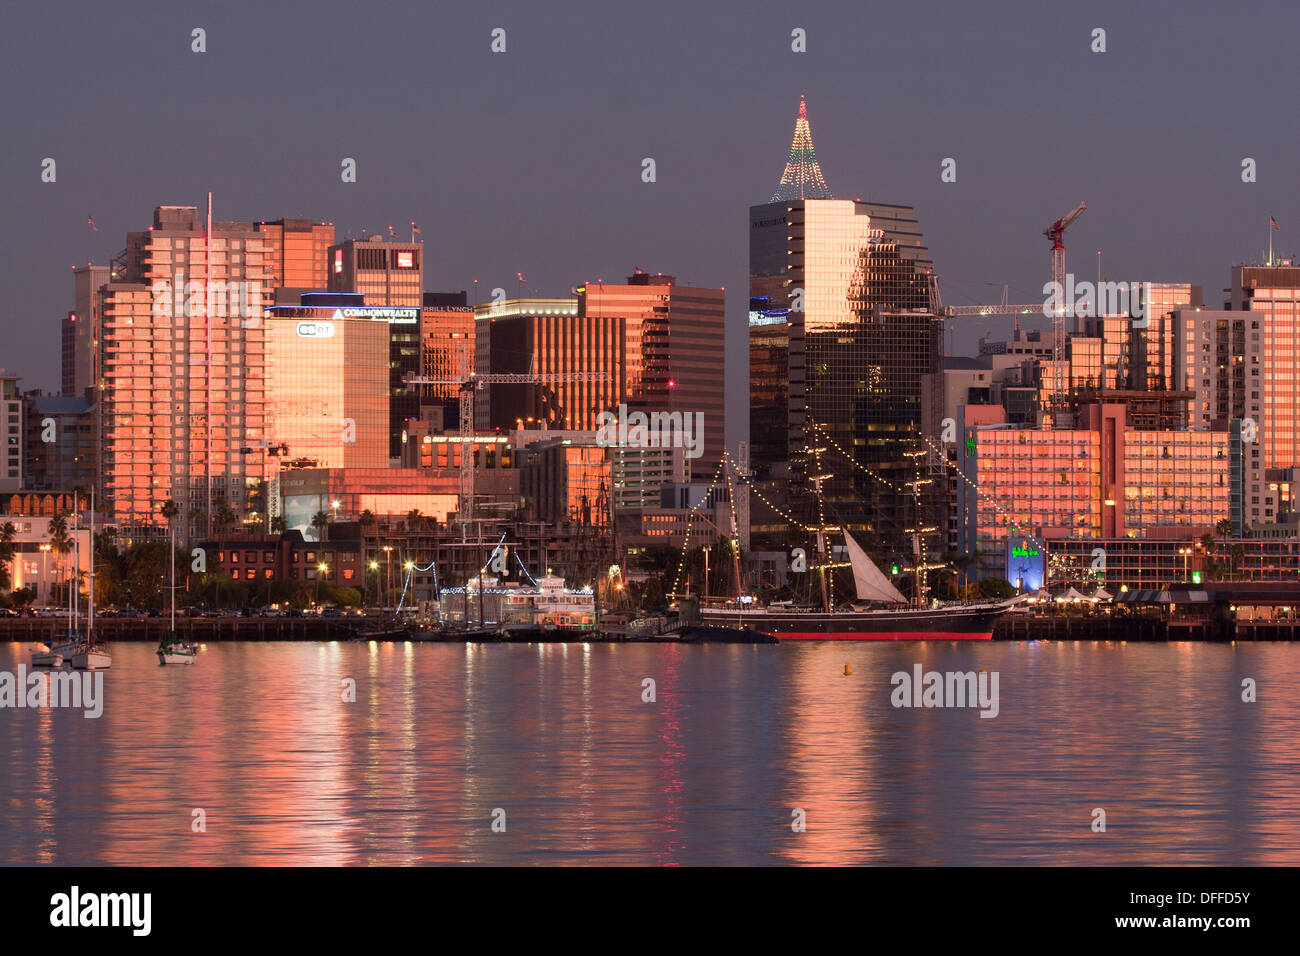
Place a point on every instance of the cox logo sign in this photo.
(316, 330)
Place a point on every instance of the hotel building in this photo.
(1100, 480)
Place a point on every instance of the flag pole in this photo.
(1271, 221)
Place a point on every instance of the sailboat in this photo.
(171, 649)
(89, 656)
(881, 611)
(54, 654)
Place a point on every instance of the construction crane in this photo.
(1056, 233)
(468, 386)
(1004, 308)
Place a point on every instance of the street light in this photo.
(1186, 553)
(323, 568)
(388, 575)
(45, 550)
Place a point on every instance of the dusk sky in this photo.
(530, 161)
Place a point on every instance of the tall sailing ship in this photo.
(881, 612)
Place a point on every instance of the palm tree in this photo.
(277, 524)
(1223, 528)
(60, 540)
(414, 520)
(7, 551)
(225, 518)
(321, 522)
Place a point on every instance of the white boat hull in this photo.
(95, 660)
(46, 659)
(178, 653)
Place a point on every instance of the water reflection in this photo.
(559, 738)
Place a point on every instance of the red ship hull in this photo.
(957, 623)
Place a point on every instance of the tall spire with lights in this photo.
(802, 178)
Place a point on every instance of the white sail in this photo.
(871, 582)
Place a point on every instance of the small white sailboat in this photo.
(47, 657)
(88, 655)
(51, 653)
(171, 649)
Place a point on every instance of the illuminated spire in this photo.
(802, 178)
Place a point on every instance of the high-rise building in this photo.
(548, 338)
(1272, 294)
(11, 431)
(447, 353)
(327, 384)
(842, 299)
(675, 344)
(59, 446)
(181, 359)
(1219, 362)
(403, 336)
(80, 330)
(386, 272)
(297, 252)
(1153, 347)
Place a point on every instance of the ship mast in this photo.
(817, 480)
(917, 531)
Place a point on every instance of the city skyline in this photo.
(719, 154)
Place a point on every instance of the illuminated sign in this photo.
(315, 330)
(338, 260)
(406, 260)
(1026, 552)
(391, 316)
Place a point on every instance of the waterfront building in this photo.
(1102, 479)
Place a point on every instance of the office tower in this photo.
(386, 272)
(547, 338)
(447, 353)
(296, 252)
(675, 351)
(841, 308)
(11, 430)
(326, 387)
(400, 325)
(79, 330)
(181, 353)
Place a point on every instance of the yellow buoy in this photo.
(847, 670)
